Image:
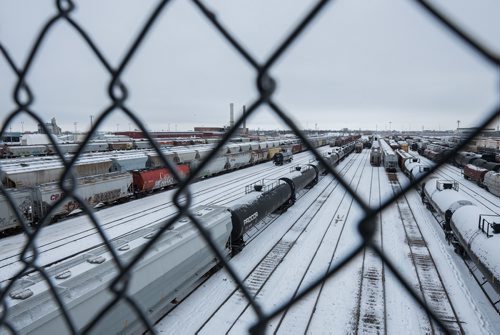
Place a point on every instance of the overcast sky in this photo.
(361, 64)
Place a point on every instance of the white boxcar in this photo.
(167, 273)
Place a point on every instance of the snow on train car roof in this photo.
(485, 248)
(445, 198)
(475, 168)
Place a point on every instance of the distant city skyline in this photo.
(384, 65)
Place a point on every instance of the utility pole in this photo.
(458, 124)
(91, 122)
(390, 125)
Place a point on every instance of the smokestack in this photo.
(244, 125)
(231, 114)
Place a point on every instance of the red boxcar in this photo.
(474, 173)
(150, 180)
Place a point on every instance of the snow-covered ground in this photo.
(365, 297)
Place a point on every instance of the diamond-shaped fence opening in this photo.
(118, 293)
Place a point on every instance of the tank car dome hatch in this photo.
(258, 187)
(446, 185)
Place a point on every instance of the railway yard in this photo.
(278, 255)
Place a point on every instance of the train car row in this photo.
(434, 151)
(411, 165)
(15, 151)
(382, 154)
(466, 226)
(180, 259)
(343, 140)
(35, 200)
(480, 168)
(27, 172)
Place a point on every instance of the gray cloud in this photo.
(361, 64)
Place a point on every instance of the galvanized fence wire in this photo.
(23, 97)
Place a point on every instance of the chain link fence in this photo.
(24, 97)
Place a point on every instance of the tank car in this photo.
(480, 241)
(467, 227)
(282, 157)
(492, 182)
(463, 158)
(266, 198)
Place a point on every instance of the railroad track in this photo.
(430, 284)
(256, 278)
(206, 194)
(302, 315)
(258, 229)
(370, 317)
